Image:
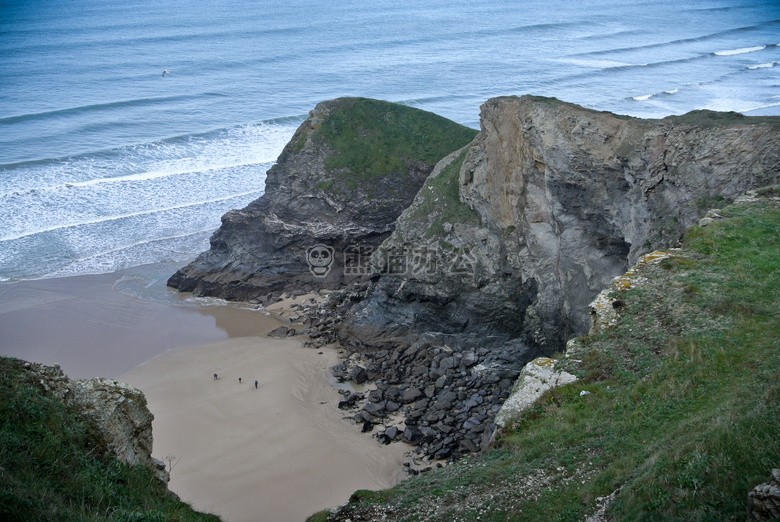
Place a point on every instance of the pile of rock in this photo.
(764, 500)
(440, 393)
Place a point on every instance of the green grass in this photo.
(682, 415)
(53, 466)
(373, 139)
(440, 201)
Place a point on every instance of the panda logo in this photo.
(320, 258)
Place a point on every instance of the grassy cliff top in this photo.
(53, 464)
(373, 139)
(681, 418)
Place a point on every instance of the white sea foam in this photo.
(646, 97)
(145, 252)
(744, 50)
(763, 66)
(138, 204)
(141, 243)
(243, 145)
(125, 216)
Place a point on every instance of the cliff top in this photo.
(699, 117)
(372, 139)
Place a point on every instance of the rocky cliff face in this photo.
(119, 411)
(514, 235)
(348, 172)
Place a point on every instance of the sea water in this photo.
(107, 163)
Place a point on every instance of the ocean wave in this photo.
(597, 64)
(681, 41)
(737, 105)
(597, 73)
(251, 144)
(107, 219)
(162, 250)
(604, 36)
(416, 102)
(118, 104)
(646, 97)
(763, 66)
(141, 243)
(761, 107)
(141, 176)
(743, 50)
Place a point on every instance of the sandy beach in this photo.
(279, 452)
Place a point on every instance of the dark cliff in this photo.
(513, 236)
(341, 182)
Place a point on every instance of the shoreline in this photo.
(103, 325)
(281, 452)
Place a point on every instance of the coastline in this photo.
(103, 325)
(281, 452)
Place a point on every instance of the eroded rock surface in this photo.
(764, 500)
(341, 182)
(537, 377)
(118, 409)
(547, 205)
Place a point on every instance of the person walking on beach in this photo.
(255, 384)
(239, 380)
(215, 377)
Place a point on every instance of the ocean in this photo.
(108, 163)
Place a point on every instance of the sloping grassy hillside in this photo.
(682, 418)
(53, 464)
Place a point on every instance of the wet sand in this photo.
(91, 329)
(278, 453)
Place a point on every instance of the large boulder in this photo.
(537, 377)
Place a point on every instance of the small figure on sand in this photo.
(239, 380)
(216, 376)
(255, 384)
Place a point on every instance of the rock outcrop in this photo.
(537, 377)
(334, 195)
(494, 260)
(764, 500)
(513, 236)
(118, 409)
